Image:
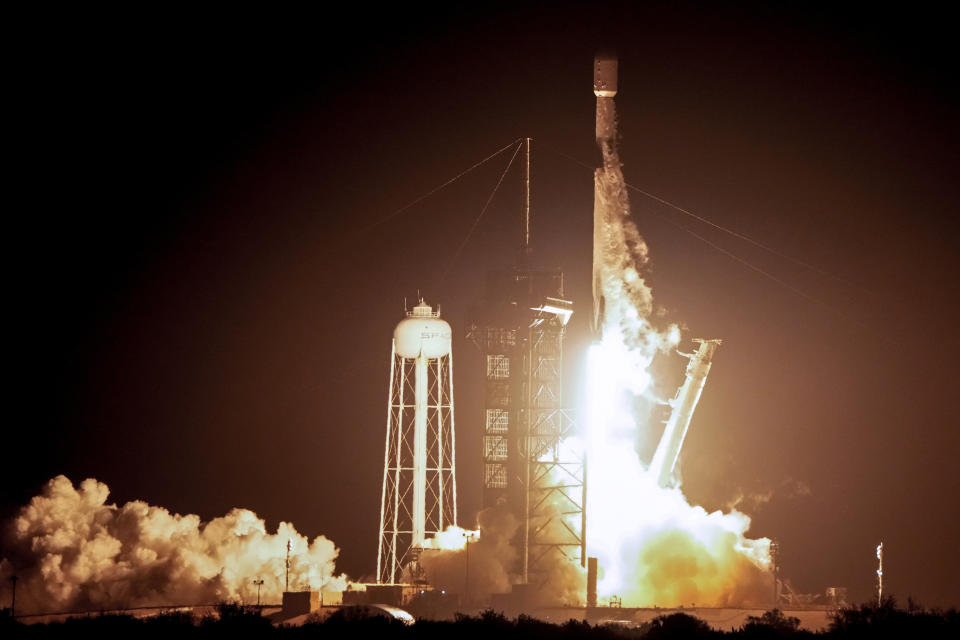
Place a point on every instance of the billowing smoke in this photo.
(486, 568)
(653, 547)
(621, 258)
(71, 550)
(789, 489)
(477, 563)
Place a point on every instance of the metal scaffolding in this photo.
(520, 337)
(554, 496)
(519, 332)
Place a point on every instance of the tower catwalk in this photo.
(419, 497)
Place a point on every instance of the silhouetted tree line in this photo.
(865, 621)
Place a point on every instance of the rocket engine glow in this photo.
(653, 547)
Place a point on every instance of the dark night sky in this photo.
(199, 320)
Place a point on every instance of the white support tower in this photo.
(668, 450)
(419, 497)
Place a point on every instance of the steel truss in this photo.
(399, 548)
(555, 504)
(554, 471)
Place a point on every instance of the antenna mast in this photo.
(289, 548)
(525, 213)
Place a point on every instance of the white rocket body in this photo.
(605, 88)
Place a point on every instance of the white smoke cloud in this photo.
(492, 557)
(480, 570)
(71, 550)
(622, 259)
(667, 552)
(557, 573)
(789, 489)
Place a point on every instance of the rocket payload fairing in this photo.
(605, 88)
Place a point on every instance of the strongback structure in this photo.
(519, 332)
(419, 497)
(664, 460)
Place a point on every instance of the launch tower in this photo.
(519, 331)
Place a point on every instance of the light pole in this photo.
(466, 580)
(322, 582)
(13, 600)
(289, 548)
(259, 583)
(775, 566)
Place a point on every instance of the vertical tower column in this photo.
(420, 453)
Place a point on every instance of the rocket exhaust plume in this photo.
(73, 551)
(652, 546)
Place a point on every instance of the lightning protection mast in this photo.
(419, 497)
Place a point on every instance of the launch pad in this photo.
(551, 467)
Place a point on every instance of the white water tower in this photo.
(419, 497)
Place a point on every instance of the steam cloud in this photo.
(622, 258)
(481, 570)
(72, 551)
(486, 568)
